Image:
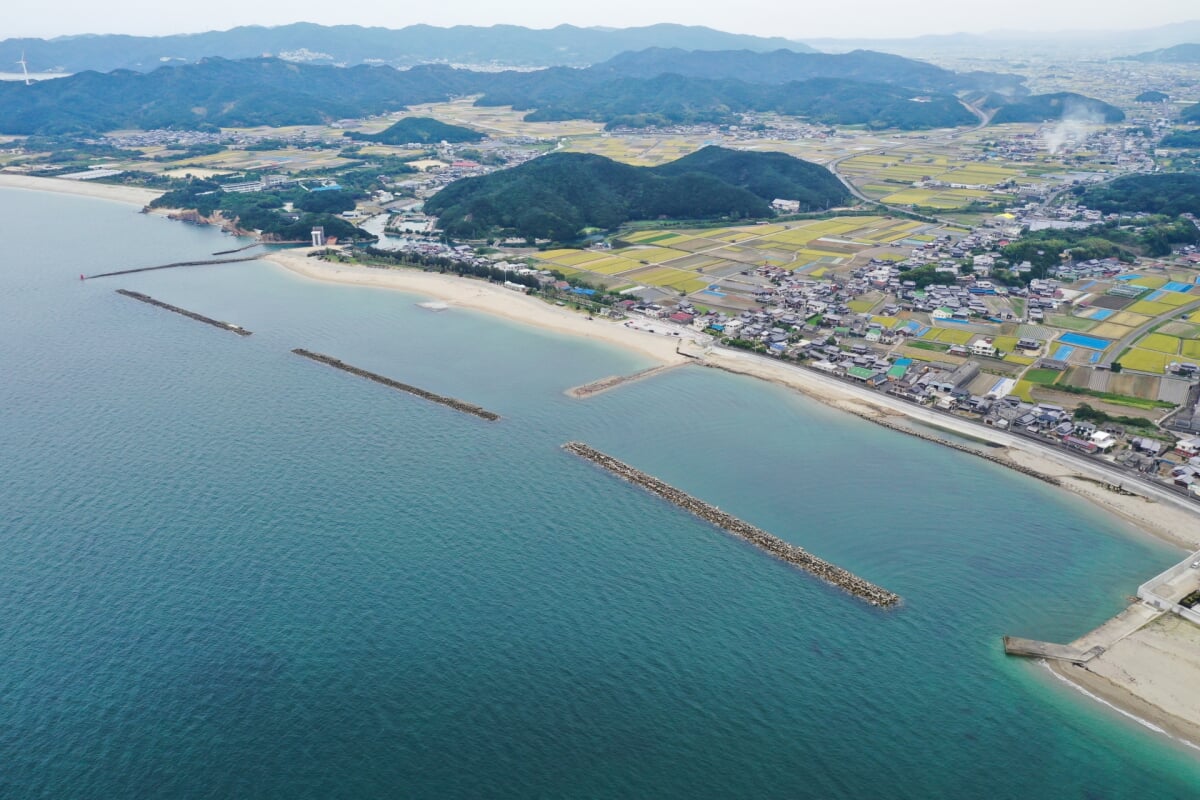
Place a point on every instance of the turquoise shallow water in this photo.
(229, 572)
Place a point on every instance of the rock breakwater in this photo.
(797, 556)
(457, 405)
(612, 382)
(145, 298)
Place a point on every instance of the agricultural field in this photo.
(1146, 361)
(640, 151)
(691, 260)
(500, 121)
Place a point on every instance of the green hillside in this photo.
(1182, 138)
(1164, 193)
(678, 100)
(1043, 107)
(265, 91)
(558, 195)
(1179, 54)
(420, 130)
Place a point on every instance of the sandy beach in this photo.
(132, 195)
(1152, 674)
(489, 298)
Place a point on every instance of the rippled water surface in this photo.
(226, 571)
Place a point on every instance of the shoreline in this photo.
(130, 195)
(1172, 524)
(477, 295)
(1166, 522)
(1119, 699)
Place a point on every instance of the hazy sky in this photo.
(795, 19)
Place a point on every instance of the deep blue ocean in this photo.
(228, 572)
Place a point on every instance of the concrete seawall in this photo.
(457, 405)
(961, 448)
(797, 556)
(145, 298)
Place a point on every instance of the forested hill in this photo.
(509, 45)
(559, 195)
(1059, 105)
(1163, 193)
(1179, 54)
(420, 130)
(679, 100)
(785, 66)
(265, 91)
(217, 92)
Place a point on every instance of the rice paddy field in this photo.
(640, 151)
(688, 261)
(889, 173)
(499, 121)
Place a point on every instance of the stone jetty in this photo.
(797, 556)
(241, 249)
(145, 298)
(457, 405)
(612, 382)
(172, 265)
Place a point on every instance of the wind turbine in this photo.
(25, 69)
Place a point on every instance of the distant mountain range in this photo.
(1179, 54)
(348, 45)
(657, 87)
(559, 195)
(860, 88)
(784, 66)
(1015, 43)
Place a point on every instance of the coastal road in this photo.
(1091, 468)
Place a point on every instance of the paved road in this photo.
(832, 166)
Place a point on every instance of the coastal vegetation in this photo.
(264, 211)
(559, 195)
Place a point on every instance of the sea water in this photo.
(226, 571)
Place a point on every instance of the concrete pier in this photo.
(1031, 648)
(145, 298)
(797, 556)
(457, 405)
